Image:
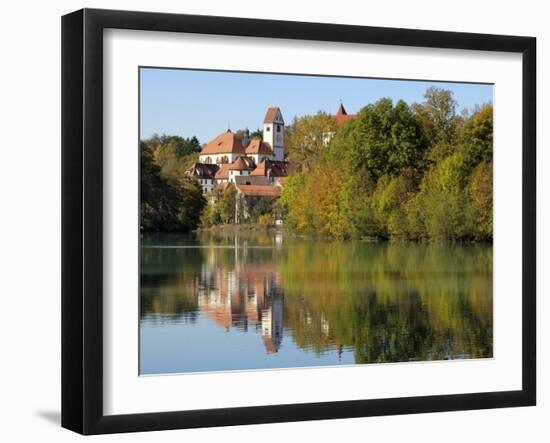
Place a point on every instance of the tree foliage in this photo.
(174, 154)
(166, 202)
(306, 137)
(400, 171)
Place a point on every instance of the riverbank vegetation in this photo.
(396, 171)
(168, 202)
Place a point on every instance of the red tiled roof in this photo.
(342, 116)
(260, 190)
(240, 163)
(256, 146)
(202, 170)
(260, 169)
(223, 172)
(276, 168)
(251, 180)
(271, 114)
(341, 110)
(226, 143)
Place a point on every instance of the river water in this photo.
(238, 301)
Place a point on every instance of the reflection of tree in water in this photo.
(384, 302)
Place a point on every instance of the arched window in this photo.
(208, 160)
(225, 159)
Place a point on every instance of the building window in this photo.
(267, 129)
(278, 128)
(208, 160)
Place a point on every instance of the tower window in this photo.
(278, 128)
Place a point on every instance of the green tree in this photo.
(481, 193)
(389, 204)
(307, 137)
(477, 137)
(226, 205)
(174, 154)
(444, 204)
(383, 139)
(166, 204)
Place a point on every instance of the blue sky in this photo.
(206, 103)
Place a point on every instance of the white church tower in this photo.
(274, 132)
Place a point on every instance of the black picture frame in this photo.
(82, 218)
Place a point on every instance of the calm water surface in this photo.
(213, 302)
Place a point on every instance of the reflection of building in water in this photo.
(272, 324)
(247, 297)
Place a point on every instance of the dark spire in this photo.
(341, 110)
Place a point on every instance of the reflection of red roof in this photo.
(270, 346)
(256, 146)
(260, 190)
(226, 143)
(342, 116)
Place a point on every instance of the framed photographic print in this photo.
(269, 221)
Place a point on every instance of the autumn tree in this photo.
(307, 137)
(174, 154)
(400, 172)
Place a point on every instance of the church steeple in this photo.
(341, 110)
(273, 133)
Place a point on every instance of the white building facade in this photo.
(274, 132)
